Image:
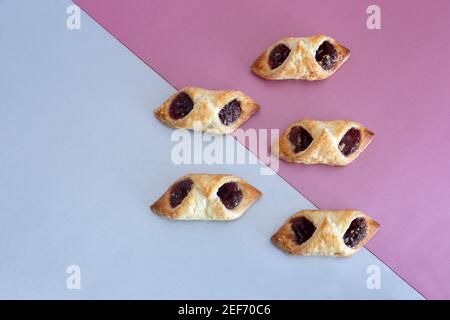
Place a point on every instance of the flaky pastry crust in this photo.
(202, 202)
(324, 148)
(301, 62)
(205, 113)
(328, 238)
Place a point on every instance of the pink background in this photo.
(395, 82)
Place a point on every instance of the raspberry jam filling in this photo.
(180, 106)
(300, 138)
(355, 233)
(326, 55)
(230, 113)
(303, 229)
(230, 194)
(278, 55)
(180, 191)
(350, 141)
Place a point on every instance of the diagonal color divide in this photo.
(395, 82)
(79, 169)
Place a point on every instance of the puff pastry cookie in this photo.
(309, 58)
(212, 111)
(206, 197)
(325, 233)
(336, 142)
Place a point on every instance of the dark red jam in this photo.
(356, 232)
(180, 106)
(303, 229)
(300, 138)
(230, 113)
(180, 191)
(326, 55)
(350, 141)
(230, 194)
(278, 55)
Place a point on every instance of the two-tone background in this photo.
(82, 157)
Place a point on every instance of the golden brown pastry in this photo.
(309, 58)
(325, 233)
(212, 111)
(336, 142)
(206, 197)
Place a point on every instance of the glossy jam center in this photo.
(300, 138)
(180, 106)
(230, 113)
(278, 55)
(303, 229)
(356, 232)
(180, 191)
(326, 55)
(350, 141)
(230, 194)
